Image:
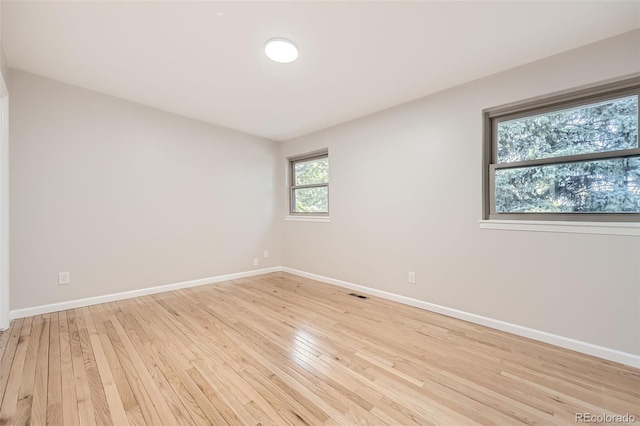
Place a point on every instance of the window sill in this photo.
(321, 219)
(601, 228)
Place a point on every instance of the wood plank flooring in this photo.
(278, 349)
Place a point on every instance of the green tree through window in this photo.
(578, 157)
(310, 184)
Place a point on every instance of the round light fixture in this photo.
(281, 50)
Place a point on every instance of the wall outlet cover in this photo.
(64, 278)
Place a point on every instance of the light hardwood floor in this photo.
(278, 349)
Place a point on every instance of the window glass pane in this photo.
(602, 186)
(599, 127)
(311, 200)
(311, 172)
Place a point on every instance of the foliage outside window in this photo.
(570, 157)
(310, 184)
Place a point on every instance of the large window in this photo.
(569, 157)
(310, 184)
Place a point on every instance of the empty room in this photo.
(319, 212)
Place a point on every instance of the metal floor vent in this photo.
(359, 296)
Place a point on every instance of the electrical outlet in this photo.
(266, 254)
(256, 262)
(64, 278)
(412, 277)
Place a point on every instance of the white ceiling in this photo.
(205, 60)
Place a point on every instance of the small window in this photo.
(310, 184)
(569, 157)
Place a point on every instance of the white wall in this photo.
(406, 196)
(125, 196)
(4, 187)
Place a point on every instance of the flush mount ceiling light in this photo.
(281, 50)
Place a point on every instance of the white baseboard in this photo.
(553, 339)
(79, 303)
